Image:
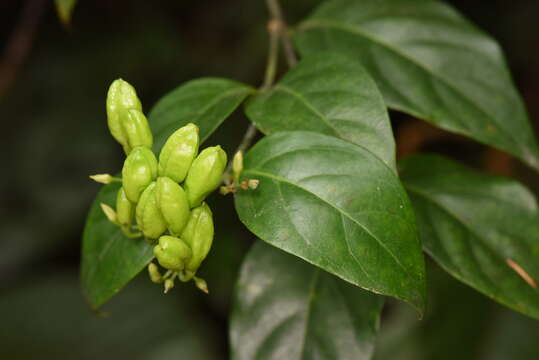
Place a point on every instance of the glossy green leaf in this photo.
(330, 94)
(338, 206)
(109, 259)
(477, 227)
(287, 308)
(64, 9)
(207, 102)
(430, 62)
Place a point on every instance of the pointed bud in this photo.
(149, 217)
(172, 201)
(109, 213)
(139, 170)
(154, 273)
(102, 178)
(198, 234)
(205, 174)
(179, 152)
(120, 98)
(237, 165)
(137, 129)
(201, 284)
(172, 252)
(169, 284)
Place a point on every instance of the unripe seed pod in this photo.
(137, 129)
(149, 218)
(172, 202)
(198, 234)
(172, 252)
(178, 153)
(205, 174)
(120, 98)
(125, 209)
(140, 169)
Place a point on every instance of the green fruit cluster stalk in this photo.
(163, 200)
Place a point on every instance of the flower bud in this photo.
(205, 174)
(198, 234)
(137, 129)
(140, 169)
(154, 273)
(172, 253)
(109, 213)
(120, 98)
(125, 210)
(237, 165)
(172, 202)
(102, 178)
(201, 284)
(149, 217)
(178, 153)
(169, 284)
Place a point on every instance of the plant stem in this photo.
(276, 14)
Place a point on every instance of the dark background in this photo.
(54, 134)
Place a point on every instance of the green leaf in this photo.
(109, 259)
(332, 95)
(477, 227)
(64, 9)
(206, 102)
(338, 206)
(287, 308)
(430, 62)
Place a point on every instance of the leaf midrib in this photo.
(310, 107)
(354, 30)
(342, 212)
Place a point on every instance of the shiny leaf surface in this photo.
(430, 62)
(287, 308)
(206, 102)
(338, 206)
(332, 95)
(484, 230)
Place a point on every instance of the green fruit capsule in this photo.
(205, 174)
(125, 210)
(198, 234)
(140, 169)
(149, 218)
(178, 153)
(137, 129)
(172, 253)
(172, 202)
(120, 98)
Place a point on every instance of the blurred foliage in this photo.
(54, 134)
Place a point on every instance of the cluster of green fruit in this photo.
(165, 197)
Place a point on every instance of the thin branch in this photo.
(273, 54)
(20, 43)
(276, 13)
(275, 31)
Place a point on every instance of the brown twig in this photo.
(20, 43)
